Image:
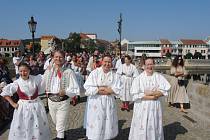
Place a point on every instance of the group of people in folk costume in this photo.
(101, 86)
(145, 90)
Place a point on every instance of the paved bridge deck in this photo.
(177, 125)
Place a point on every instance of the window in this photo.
(5, 49)
(203, 51)
(148, 51)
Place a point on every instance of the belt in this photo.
(57, 97)
(126, 75)
(28, 97)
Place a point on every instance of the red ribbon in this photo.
(59, 74)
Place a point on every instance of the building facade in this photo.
(166, 47)
(8, 47)
(150, 48)
(193, 46)
(160, 48)
(208, 42)
(45, 42)
(49, 43)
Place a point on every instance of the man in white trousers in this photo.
(61, 84)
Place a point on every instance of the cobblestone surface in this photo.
(176, 125)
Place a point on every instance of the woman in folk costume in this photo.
(101, 87)
(147, 89)
(93, 64)
(29, 119)
(128, 72)
(61, 84)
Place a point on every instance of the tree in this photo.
(7, 55)
(168, 54)
(89, 45)
(75, 41)
(72, 43)
(91, 49)
(67, 45)
(197, 55)
(37, 47)
(102, 49)
(189, 55)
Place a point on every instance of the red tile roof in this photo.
(9, 43)
(47, 37)
(165, 41)
(192, 42)
(84, 36)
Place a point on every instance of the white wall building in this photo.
(192, 46)
(176, 48)
(124, 41)
(208, 42)
(45, 41)
(157, 49)
(8, 47)
(150, 48)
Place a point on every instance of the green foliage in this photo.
(101, 49)
(7, 55)
(37, 47)
(67, 46)
(74, 41)
(168, 55)
(89, 45)
(197, 55)
(189, 55)
(90, 49)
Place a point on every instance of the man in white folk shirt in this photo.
(101, 87)
(147, 89)
(60, 84)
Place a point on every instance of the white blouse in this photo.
(27, 86)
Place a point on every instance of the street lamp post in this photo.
(120, 31)
(32, 27)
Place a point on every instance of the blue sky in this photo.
(142, 19)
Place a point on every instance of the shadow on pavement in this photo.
(75, 134)
(172, 130)
(123, 133)
(82, 99)
(5, 126)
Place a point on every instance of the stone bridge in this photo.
(191, 64)
(177, 126)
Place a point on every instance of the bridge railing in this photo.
(197, 62)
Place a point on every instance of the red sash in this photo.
(23, 96)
